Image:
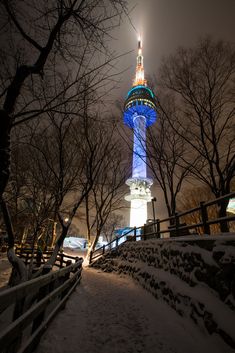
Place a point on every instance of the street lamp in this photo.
(154, 218)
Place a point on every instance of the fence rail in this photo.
(26, 309)
(175, 229)
(40, 258)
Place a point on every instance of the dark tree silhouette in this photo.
(49, 58)
(202, 81)
(54, 37)
(165, 151)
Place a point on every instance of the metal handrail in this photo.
(93, 254)
(205, 223)
(228, 196)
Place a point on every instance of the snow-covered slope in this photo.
(196, 277)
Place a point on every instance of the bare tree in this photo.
(191, 198)
(108, 191)
(202, 81)
(58, 171)
(48, 174)
(97, 154)
(53, 37)
(114, 221)
(166, 151)
(16, 189)
(57, 51)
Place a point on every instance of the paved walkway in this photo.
(109, 313)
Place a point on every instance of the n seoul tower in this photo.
(139, 113)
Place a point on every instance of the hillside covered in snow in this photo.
(195, 276)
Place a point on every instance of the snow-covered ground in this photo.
(195, 277)
(111, 313)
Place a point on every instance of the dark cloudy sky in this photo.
(167, 24)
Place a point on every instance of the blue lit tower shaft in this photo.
(139, 113)
(139, 147)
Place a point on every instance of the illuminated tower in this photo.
(139, 113)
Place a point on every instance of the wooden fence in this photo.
(40, 258)
(26, 309)
(171, 226)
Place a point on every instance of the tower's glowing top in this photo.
(139, 74)
(140, 100)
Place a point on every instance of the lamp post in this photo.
(154, 218)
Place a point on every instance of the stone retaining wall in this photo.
(195, 276)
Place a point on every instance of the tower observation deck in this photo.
(139, 113)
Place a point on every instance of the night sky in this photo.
(167, 24)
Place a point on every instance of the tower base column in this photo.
(138, 214)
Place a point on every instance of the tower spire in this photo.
(139, 72)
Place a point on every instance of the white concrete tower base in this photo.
(138, 214)
(139, 196)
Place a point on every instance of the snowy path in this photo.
(109, 313)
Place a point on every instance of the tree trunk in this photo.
(5, 128)
(224, 226)
(95, 241)
(50, 263)
(19, 271)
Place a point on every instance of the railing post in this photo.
(68, 263)
(158, 229)
(141, 232)
(46, 269)
(134, 234)
(39, 258)
(103, 250)
(144, 232)
(204, 215)
(43, 291)
(116, 242)
(26, 258)
(61, 260)
(222, 206)
(177, 223)
(147, 233)
(90, 257)
(65, 278)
